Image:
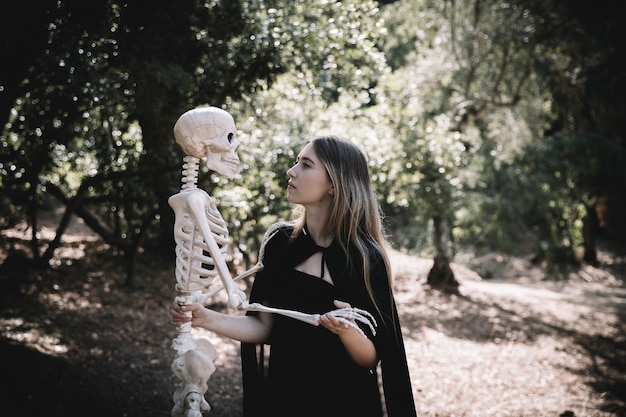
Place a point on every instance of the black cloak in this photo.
(283, 254)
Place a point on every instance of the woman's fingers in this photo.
(341, 304)
(179, 314)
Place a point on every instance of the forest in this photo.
(492, 129)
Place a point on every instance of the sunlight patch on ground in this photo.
(19, 331)
(69, 301)
(74, 240)
(566, 304)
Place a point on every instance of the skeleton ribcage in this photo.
(195, 265)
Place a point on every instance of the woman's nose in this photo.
(290, 172)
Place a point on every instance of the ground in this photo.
(75, 341)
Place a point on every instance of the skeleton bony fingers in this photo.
(351, 315)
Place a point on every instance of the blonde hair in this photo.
(355, 217)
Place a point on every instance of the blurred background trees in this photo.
(489, 125)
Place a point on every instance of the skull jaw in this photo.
(224, 164)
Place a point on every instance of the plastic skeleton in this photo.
(201, 236)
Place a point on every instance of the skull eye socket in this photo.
(231, 136)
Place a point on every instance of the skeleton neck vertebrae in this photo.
(202, 237)
(191, 166)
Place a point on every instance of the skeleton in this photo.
(201, 236)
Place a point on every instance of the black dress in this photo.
(309, 372)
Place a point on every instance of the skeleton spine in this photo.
(190, 172)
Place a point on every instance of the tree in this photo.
(465, 65)
(493, 72)
(106, 65)
(93, 117)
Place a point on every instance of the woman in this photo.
(332, 256)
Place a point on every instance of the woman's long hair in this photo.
(355, 216)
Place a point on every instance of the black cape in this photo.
(281, 255)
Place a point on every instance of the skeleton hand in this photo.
(347, 316)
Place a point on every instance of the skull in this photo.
(209, 133)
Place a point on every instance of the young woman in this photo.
(332, 256)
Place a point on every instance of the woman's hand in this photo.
(361, 350)
(194, 313)
(332, 323)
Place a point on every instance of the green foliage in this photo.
(110, 65)
(475, 87)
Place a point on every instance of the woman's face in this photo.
(308, 180)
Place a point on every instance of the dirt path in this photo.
(522, 347)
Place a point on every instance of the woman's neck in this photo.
(315, 228)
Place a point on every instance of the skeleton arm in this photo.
(344, 315)
(256, 268)
(203, 298)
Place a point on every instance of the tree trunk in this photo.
(590, 227)
(70, 208)
(440, 275)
